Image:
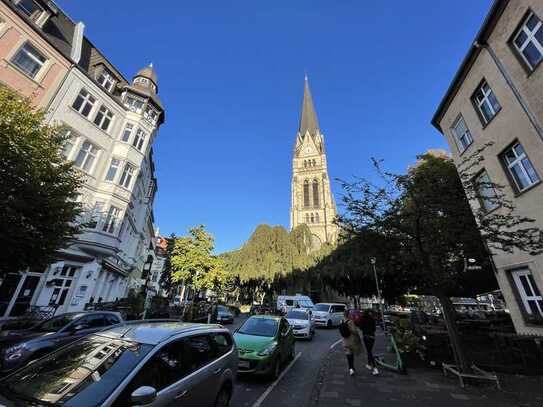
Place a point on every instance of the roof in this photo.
(274, 317)
(308, 119)
(481, 38)
(154, 332)
(149, 73)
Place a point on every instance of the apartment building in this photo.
(496, 97)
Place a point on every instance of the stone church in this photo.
(312, 199)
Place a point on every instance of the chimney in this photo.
(77, 42)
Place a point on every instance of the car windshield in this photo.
(56, 323)
(321, 307)
(82, 374)
(297, 315)
(222, 308)
(259, 327)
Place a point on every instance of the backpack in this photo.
(344, 330)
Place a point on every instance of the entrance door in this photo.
(25, 295)
(7, 291)
(62, 284)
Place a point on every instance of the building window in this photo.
(485, 192)
(127, 132)
(312, 218)
(95, 214)
(103, 118)
(29, 7)
(126, 177)
(143, 81)
(133, 104)
(139, 139)
(529, 41)
(306, 194)
(529, 293)
(68, 144)
(113, 168)
(86, 157)
(29, 60)
(307, 218)
(462, 135)
(151, 114)
(316, 218)
(84, 103)
(486, 102)
(106, 80)
(305, 163)
(315, 193)
(111, 219)
(520, 167)
(314, 163)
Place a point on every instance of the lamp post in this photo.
(373, 261)
(146, 273)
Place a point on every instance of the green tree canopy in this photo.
(38, 187)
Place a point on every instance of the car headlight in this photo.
(268, 350)
(14, 352)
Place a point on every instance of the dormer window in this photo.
(134, 104)
(106, 80)
(29, 7)
(142, 81)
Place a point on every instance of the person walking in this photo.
(367, 326)
(352, 345)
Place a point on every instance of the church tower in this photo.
(312, 200)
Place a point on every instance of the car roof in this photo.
(153, 332)
(274, 317)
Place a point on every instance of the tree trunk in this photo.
(449, 314)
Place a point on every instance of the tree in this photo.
(38, 187)
(426, 217)
(193, 263)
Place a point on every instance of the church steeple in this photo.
(308, 119)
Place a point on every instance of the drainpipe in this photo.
(531, 116)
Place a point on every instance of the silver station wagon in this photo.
(156, 363)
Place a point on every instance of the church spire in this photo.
(308, 120)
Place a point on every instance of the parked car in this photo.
(17, 348)
(302, 323)
(264, 343)
(224, 315)
(158, 363)
(328, 314)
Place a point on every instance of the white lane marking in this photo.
(272, 386)
(332, 346)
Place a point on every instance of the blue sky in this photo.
(231, 79)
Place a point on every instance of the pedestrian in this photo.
(352, 345)
(367, 326)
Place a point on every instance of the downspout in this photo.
(531, 116)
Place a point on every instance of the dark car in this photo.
(17, 348)
(152, 363)
(224, 315)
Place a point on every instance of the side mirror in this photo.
(143, 395)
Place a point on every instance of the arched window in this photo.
(315, 193)
(312, 218)
(305, 163)
(306, 194)
(307, 218)
(316, 218)
(314, 163)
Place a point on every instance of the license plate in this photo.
(244, 364)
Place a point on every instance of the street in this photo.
(294, 386)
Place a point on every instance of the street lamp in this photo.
(146, 273)
(373, 261)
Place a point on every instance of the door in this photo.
(25, 295)
(62, 284)
(7, 291)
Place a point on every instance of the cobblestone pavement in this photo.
(423, 387)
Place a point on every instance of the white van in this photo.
(328, 314)
(287, 302)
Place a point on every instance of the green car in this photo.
(264, 343)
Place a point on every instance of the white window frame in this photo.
(464, 140)
(151, 114)
(114, 166)
(29, 51)
(106, 80)
(139, 139)
(486, 101)
(486, 194)
(112, 218)
(530, 38)
(131, 106)
(143, 81)
(32, 15)
(92, 151)
(87, 100)
(525, 296)
(128, 129)
(71, 141)
(520, 162)
(96, 214)
(127, 175)
(106, 117)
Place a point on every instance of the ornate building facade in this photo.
(312, 200)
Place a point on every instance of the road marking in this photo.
(332, 346)
(272, 386)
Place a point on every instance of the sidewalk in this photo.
(420, 387)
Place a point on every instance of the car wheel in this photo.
(223, 398)
(329, 324)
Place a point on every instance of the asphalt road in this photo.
(294, 387)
